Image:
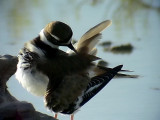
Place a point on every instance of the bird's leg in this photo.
(56, 115)
(72, 117)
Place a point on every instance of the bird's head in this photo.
(59, 34)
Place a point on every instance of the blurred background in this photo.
(133, 40)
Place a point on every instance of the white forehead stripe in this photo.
(55, 37)
(44, 39)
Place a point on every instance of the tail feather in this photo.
(121, 75)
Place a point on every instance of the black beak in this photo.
(72, 48)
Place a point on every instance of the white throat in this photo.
(44, 39)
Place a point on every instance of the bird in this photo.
(66, 80)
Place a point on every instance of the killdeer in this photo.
(66, 80)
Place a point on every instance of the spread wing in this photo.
(95, 30)
(88, 41)
(92, 37)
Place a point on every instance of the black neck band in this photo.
(47, 50)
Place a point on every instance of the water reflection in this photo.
(120, 49)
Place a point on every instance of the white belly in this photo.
(35, 82)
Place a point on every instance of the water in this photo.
(122, 99)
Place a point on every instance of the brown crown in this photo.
(60, 30)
